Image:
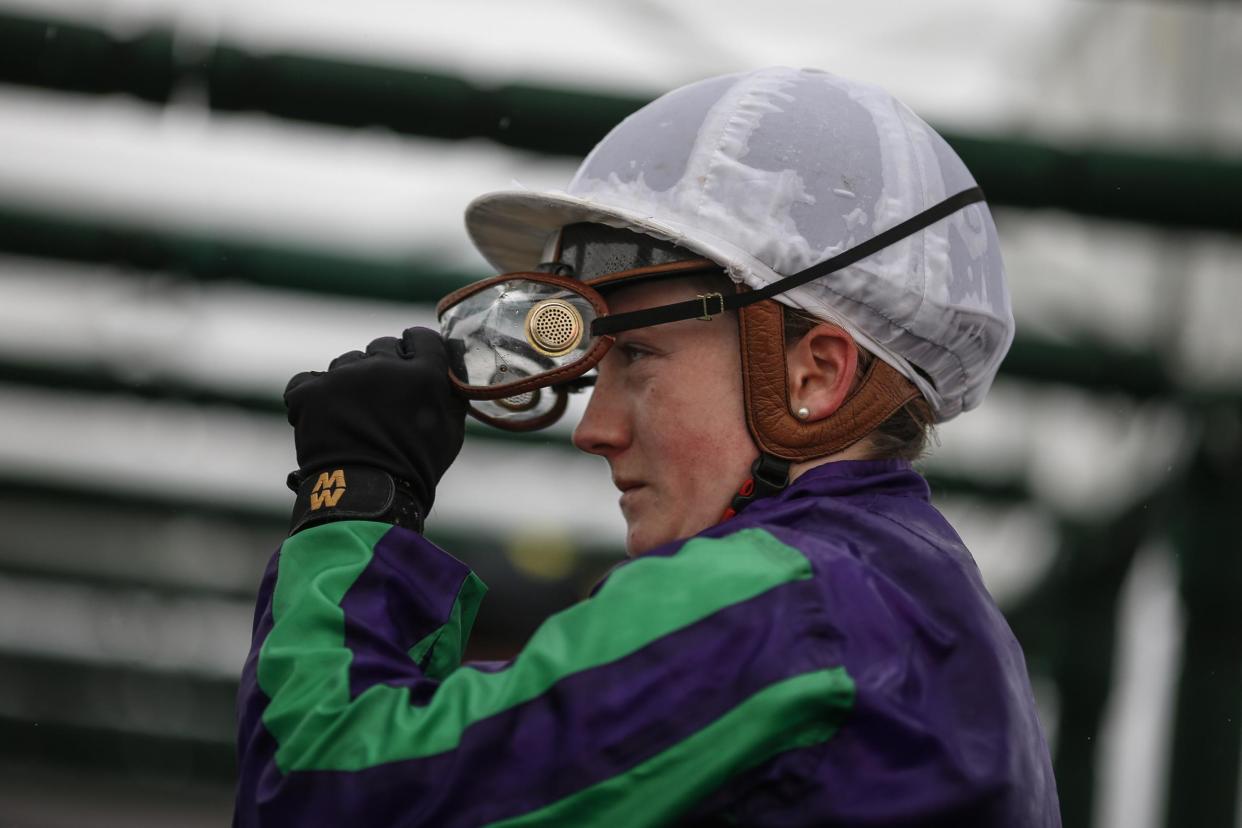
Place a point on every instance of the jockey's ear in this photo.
(820, 370)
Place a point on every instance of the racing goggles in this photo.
(519, 343)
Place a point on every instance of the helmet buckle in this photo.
(707, 312)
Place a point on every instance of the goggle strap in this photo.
(706, 306)
(526, 424)
(658, 271)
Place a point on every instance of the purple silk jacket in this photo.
(829, 657)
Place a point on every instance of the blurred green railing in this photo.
(30, 232)
(1165, 189)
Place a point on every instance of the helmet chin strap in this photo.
(769, 475)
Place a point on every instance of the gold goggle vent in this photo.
(554, 327)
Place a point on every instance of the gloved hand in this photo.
(375, 432)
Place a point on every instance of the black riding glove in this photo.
(375, 432)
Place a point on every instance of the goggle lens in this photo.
(513, 330)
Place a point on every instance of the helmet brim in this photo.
(512, 228)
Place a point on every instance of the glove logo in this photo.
(328, 489)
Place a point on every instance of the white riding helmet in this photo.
(772, 171)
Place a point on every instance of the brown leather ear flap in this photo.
(772, 424)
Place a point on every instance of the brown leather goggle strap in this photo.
(531, 424)
(512, 389)
(776, 430)
(654, 271)
(566, 282)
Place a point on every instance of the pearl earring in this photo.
(803, 413)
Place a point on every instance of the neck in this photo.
(858, 451)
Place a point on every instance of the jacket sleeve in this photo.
(685, 668)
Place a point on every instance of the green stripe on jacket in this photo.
(304, 663)
(797, 712)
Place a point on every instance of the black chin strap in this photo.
(708, 305)
(769, 475)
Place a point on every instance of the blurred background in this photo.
(199, 198)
